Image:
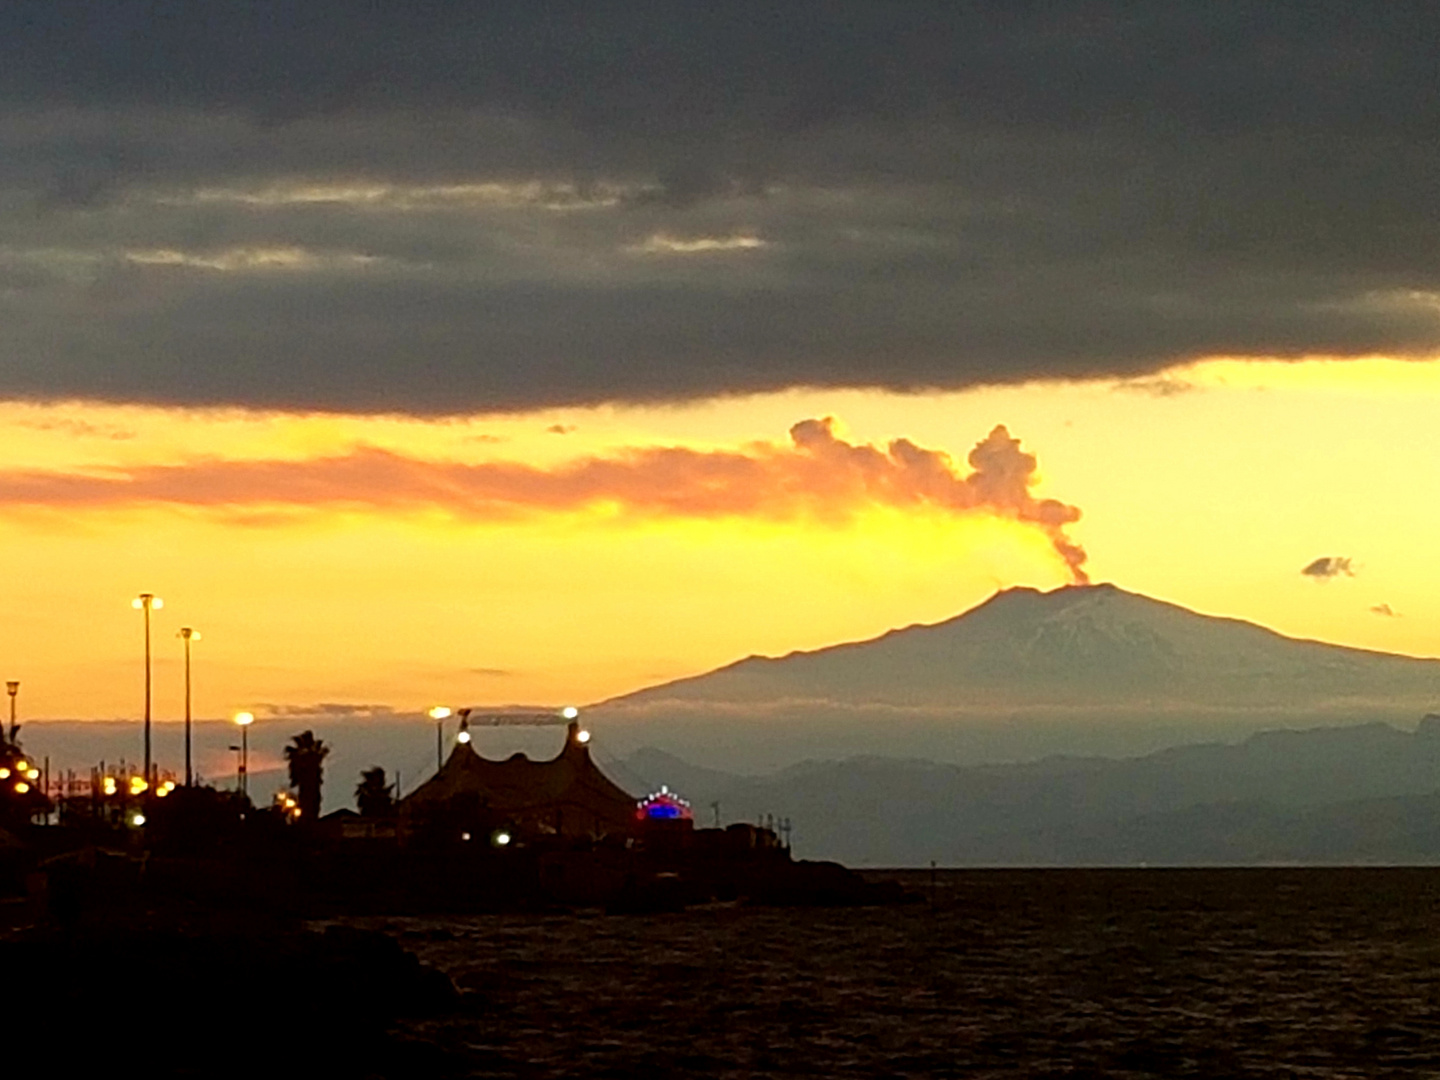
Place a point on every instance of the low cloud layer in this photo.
(817, 475)
(331, 710)
(501, 206)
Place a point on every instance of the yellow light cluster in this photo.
(108, 785)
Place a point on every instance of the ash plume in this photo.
(905, 473)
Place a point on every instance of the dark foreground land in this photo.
(1054, 973)
(1045, 973)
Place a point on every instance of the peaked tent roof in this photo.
(519, 785)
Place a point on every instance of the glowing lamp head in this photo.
(4, 773)
(21, 787)
(582, 737)
(500, 838)
(109, 785)
(137, 819)
(569, 712)
(439, 712)
(463, 738)
(244, 719)
(22, 765)
(189, 633)
(147, 600)
(33, 774)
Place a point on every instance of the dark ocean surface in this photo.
(1043, 973)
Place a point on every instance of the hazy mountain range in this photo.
(1358, 794)
(1079, 670)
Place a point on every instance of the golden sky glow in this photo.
(575, 554)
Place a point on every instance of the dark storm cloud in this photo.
(448, 207)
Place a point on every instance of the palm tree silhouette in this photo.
(306, 756)
(373, 796)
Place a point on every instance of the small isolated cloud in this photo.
(1385, 610)
(560, 429)
(492, 672)
(661, 244)
(1327, 567)
(1162, 386)
(251, 259)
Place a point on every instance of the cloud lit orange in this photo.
(817, 475)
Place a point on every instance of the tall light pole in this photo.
(12, 688)
(245, 719)
(147, 602)
(188, 634)
(439, 714)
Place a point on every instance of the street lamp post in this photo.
(188, 634)
(439, 714)
(12, 688)
(245, 719)
(146, 602)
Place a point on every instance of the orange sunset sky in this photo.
(499, 353)
(573, 554)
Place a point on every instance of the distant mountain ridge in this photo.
(1077, 645)
(1080, 670)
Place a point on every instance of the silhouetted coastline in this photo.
(193, 902)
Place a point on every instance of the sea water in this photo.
(1044, 973)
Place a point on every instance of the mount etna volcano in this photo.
(1079, 670)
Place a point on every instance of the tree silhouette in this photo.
(373, 796)
(306, 757)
